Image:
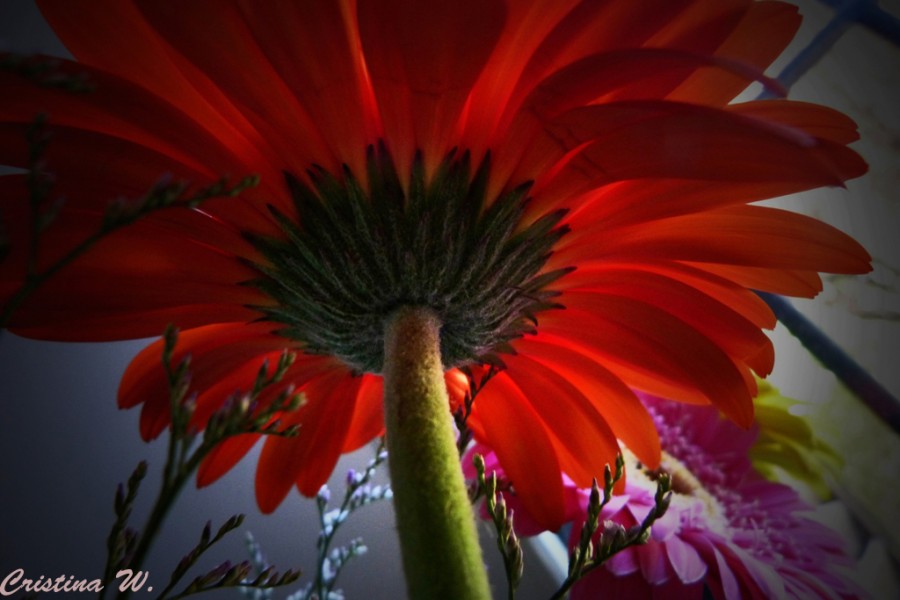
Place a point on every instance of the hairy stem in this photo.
(438, 539)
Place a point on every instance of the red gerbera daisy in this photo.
(563, 185)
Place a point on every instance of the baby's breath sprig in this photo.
(507, 541)
(240, 415)
(614, 538)
(165, 194)
(358, 493)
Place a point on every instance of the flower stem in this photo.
(438, 540)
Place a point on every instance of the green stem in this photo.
(438, 539)
(166, 499)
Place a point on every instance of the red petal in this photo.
(644, 200)
(244, 74)
(223, 457)
(584, 441)
(134, 167)
(227, 454)
(128, 171)
(755, 236)
(239, 380)
(698, 28)
(457, 388)
(128, 324)
(156, 415)
(820, 121)
(315, 48)
(735, 296)
(523, 447)
(641, 139)
(116, 108)
(421, 73)
(779, 20)
(608, 394)
(594, 27)
(739, 337)
(629, 74)
(139, 266)
(527, 25)
(805, 284)
(368, 416)
(648, 347)
(85, 201)
(128, 114)
(120, 290)
(229, 341)
(628, 355)
(309, 458)
(115, 36)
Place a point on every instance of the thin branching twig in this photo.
(358, 493)
(240, 415)
(588, 555)
(507, 541)
(44, 209)
(461, 416)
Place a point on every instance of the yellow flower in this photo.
(787, 447)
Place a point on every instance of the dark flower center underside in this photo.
(350, 257)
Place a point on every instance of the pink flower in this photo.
(727, 529)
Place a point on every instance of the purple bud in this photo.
(324, 494)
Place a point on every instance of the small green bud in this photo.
(594, 499)
(478, 461)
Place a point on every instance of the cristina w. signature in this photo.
(16, 581)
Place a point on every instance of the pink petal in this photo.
(654, 566)
(624, 563)
(685, 559)
(730, 586)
